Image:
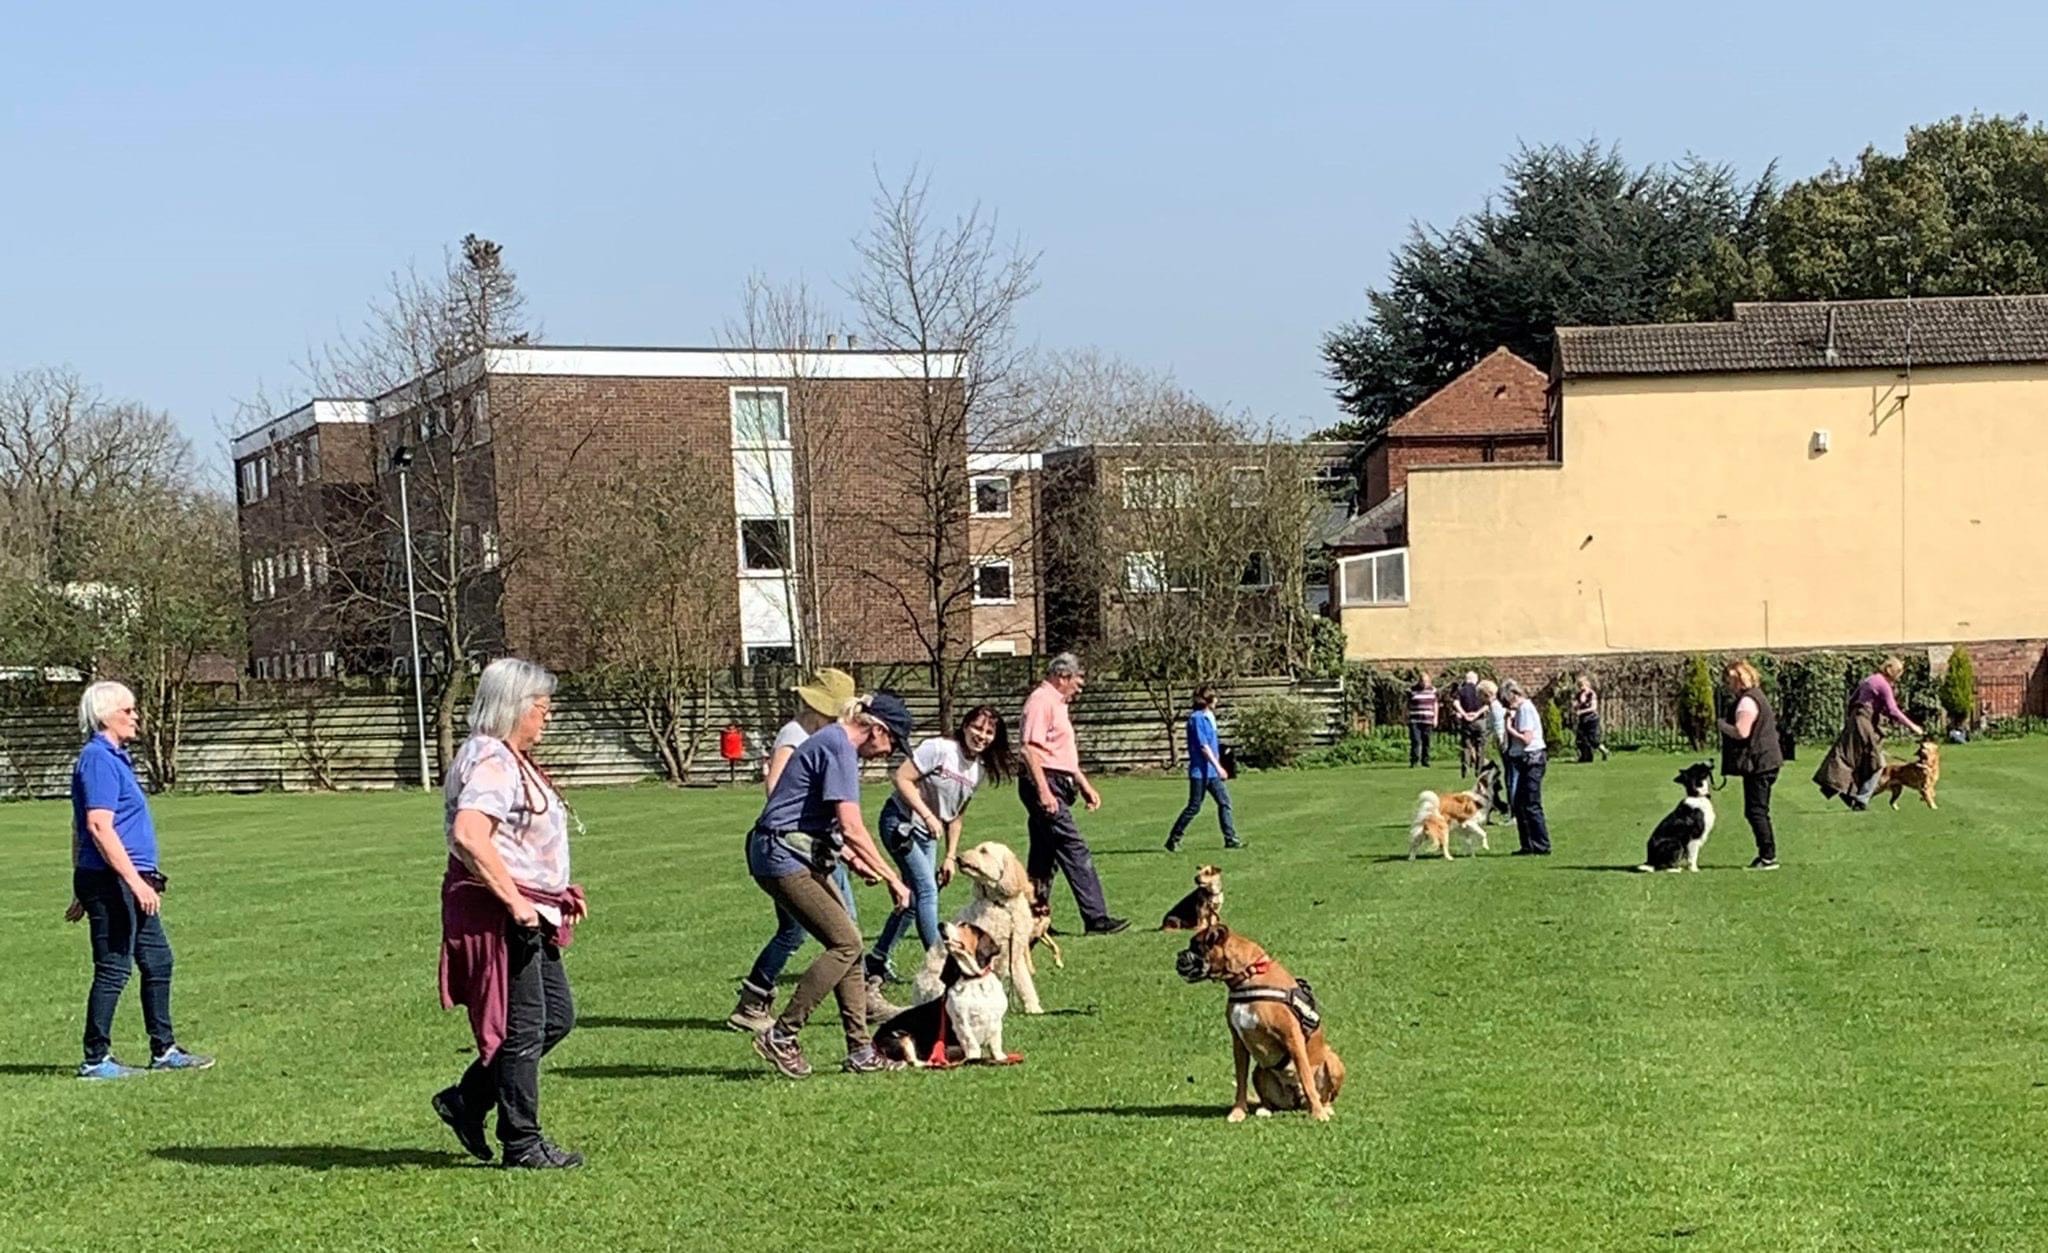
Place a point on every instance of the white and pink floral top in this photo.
(530, 823)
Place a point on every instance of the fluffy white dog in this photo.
(1002, 908)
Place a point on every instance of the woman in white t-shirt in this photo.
(933, 786)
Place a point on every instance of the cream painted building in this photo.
(1857, 473)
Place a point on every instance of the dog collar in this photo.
(1259, 967)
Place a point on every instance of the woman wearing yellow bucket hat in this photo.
(819, 702)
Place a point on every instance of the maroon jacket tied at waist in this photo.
(475, 971)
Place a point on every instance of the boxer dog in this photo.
(1276, 1030)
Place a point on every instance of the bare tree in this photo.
(945, 295)
(486, 473)
(652, 585)
(784, 434)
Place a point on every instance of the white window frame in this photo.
(789, 554)
(313, 454)
(1145, 574)
(321, 557)
(1267, 569)
(487, 548)
(989, 563)
(996, 648)
(1182, 480)
(1377, 563)
(974, 508)
(747, 440)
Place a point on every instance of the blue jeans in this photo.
(123, 938)
(789, 937)
(1199, 787)
(918, 860)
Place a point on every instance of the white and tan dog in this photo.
(964, 1025)
(1002, 908)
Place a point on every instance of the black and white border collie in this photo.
(1675, 844)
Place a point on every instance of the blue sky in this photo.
(193, 199)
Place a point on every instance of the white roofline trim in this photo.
(1003, 462)
(300, 420)
(714, 363)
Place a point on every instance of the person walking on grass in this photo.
(1854, 765)
(117, 886)
(1205, 772)
(1586, 720)
(1750, 748)
(811, 821)
(1054, 761)
(818, 704)
(933, 787)
(1421, 721)
(1531, 755)
(1468, 711)
(508, 910)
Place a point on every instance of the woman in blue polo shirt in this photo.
(116, 886)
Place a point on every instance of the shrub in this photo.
(1384, 744)
(1958, 688)
(1552, 719)
(1811, 693)
(1272, 730)
(1696, 702)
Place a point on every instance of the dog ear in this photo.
(986, 950)
(1015, 882)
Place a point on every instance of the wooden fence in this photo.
(368, 742)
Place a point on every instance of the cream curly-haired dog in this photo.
(1002, 908)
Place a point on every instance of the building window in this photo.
(488, 542)
(256, 580)
(248, 482)
(291, 565)
(996, 648)
(466, 534)
(1247, 486)
(1374, 578)
(760, 417)
(1158, 488)
(299, 466)
(306, 567)
(770, 655)
(320, 559)
(764, 544)
(991, 495)
(1258, 571)
(313, 454)
(263, 667)
(263, 476)
(327, 664)
(992, 585)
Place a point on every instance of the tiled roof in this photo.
(1819, 335)
(1378, 527)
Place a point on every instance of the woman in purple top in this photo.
(1856, 762)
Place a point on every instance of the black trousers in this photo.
(1756, 807)
(123, 938)
(1056, 842)
(1588, 737)
(1418, 744)
(1529, 821)
(539, 1012)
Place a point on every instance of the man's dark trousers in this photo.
(1056, 841)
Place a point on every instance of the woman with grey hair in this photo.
(1525, 745)
(117, 886)
(508, 910)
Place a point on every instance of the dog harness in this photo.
(1300, 998)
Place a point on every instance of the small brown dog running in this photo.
(1276, 1029)
(1200, 908)
(1918, 775)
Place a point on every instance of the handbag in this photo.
(819, 852)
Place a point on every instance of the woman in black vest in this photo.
(1750, 748)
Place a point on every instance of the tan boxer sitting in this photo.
(1276, 1031)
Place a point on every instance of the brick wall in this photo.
(1014, 537)
(1496, 411)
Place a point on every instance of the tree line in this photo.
(1578, 235)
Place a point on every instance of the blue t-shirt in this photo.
(823, 771)
(1202, 734)
(104, 778)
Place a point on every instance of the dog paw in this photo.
(1236, 1114)
(1323, 1114)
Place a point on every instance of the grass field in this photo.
(1542, 1053)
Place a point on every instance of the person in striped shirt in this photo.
(1421, 721)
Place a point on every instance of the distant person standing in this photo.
(1856, 762)
(1586, 720)
(1750, 749)
(117, 887)
(1468, 707)
(1421, 721)
(1053, 760)
(1205, 772)
(1526, 746)
(1497, 728)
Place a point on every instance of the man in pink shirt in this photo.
(1053, 762)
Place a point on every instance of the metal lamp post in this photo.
(401, 461)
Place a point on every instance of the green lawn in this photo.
(1542, 1053)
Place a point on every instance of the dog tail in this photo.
(1426, 805)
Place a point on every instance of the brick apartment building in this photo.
(1003, 543)
(810, 478)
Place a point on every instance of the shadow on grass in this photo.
(1139, 1111)
(1088, 1011)
(632, 1071)
(653, 1024)
(310, 1157)
(1644, 873)
(1130, 852)
(32, 1068)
